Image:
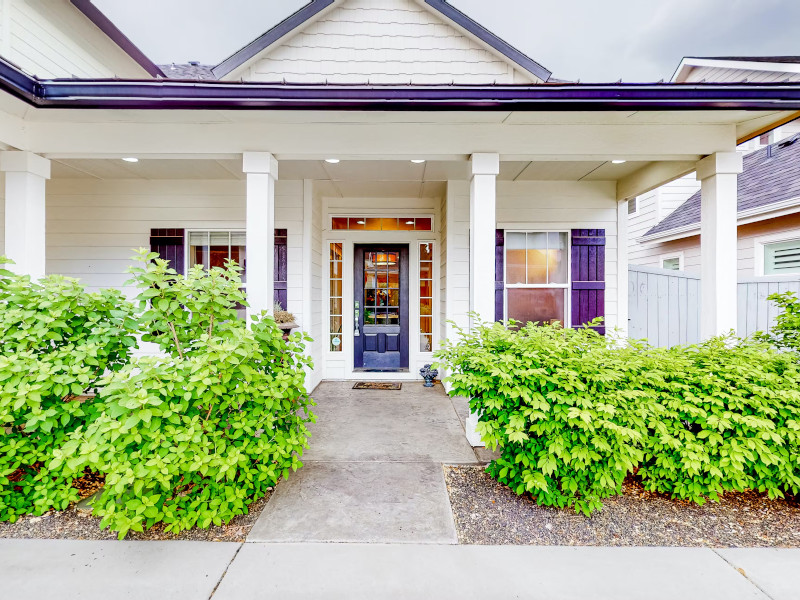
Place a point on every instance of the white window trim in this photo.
(678, 255)
(565, 286)
(766, 240)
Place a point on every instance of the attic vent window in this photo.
(632, 206)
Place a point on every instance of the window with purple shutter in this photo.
(281, 267)
(588, 276)
(499, 275)
(169, 245)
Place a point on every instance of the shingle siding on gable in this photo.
(51, 39)
(392, 41)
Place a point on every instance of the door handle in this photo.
(356, 319)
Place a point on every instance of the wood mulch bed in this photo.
(486, 512)
(74, 524)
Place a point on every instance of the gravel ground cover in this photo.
(76, 524)
(486, 512)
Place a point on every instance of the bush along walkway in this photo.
(185, 440)
(574, 413)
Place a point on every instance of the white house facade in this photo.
(383, 169)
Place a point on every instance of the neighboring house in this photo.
(382, 168)
(768, 199)
(768, 215)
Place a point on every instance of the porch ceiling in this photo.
(357, 178)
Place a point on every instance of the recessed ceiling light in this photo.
(619, 161)
(362, 222)
(332, 161)
(417, 161)
(411, 222)
(130, 159)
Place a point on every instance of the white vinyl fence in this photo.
(664, 306)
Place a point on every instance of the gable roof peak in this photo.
(316, 9)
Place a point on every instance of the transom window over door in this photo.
(537, 276)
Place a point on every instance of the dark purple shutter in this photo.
(588, 276)
(499, 274)
(169, 245)
(281, 267)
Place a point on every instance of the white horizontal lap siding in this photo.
(394, 41)
(51, 39)
(562, 206)
(94, 226)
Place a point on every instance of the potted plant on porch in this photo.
(284, 319)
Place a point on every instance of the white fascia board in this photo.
(744, 217)
(745, 65)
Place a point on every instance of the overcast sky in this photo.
(590, 40)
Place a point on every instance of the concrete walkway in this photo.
(373, 472)
(71, 570)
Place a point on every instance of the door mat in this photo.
(377, 385)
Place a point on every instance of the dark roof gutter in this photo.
(105, 25)
(170, 94)
(486, 36)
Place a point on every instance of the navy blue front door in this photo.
(381, 305)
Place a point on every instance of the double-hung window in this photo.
(537, 276)
(212, 248)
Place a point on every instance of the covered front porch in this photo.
(507, 214)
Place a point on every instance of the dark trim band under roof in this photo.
(218, 95)
(309, 11)
(104, 24)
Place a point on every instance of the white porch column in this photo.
(26, 174)
(718, 248)
(262, 172)
(482, 224)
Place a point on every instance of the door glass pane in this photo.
(426, 251)
(425, 289)
(339, 223)
(426, 270)
(515, 258)
(539, 305)
(373, 225)
(426, 306)
(426, 324)
(357, 223)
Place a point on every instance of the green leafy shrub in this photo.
(192, 438)
(785, 334)
(559, 405)
(726, 417)
(56, 341)
(573, 413)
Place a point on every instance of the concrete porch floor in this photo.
(374, 470)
